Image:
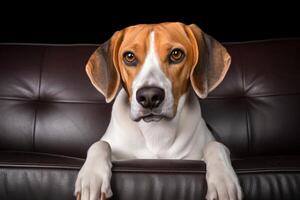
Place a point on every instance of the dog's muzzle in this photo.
(150, 98)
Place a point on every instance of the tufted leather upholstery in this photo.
(50, 114)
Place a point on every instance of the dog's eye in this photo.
(129, 58)
(176, 56)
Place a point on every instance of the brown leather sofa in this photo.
(50, 114)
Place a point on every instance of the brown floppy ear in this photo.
(102, 69)
(211, 63)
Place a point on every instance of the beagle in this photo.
(161, 69)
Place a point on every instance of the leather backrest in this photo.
(255, 110)
(47, 103)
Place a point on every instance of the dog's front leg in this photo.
(222, 182)
(93, 180)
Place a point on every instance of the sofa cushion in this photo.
(44, 176)
(37, 176)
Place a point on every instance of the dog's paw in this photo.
(93, 181)
(223, 184)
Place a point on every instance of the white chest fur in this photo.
(183, 137)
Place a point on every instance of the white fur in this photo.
(177, 138)
(186, 136)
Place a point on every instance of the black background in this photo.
(94, 22)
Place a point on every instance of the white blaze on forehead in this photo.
(151, 71)
(152, 75)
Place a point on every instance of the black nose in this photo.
(150, 97)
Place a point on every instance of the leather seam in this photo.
(103, 101)
(252, 96)
(44, 154)
(248, 128)
(33, 128)
(39, 97)
(40, 167)
(52, 101)
(249, 138)
(135, 170)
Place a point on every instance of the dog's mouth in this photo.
(152, 118)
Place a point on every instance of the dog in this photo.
(155, 73)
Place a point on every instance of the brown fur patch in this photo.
(135, 40)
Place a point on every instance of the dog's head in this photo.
(155, 64)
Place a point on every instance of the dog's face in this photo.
(156, 64)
